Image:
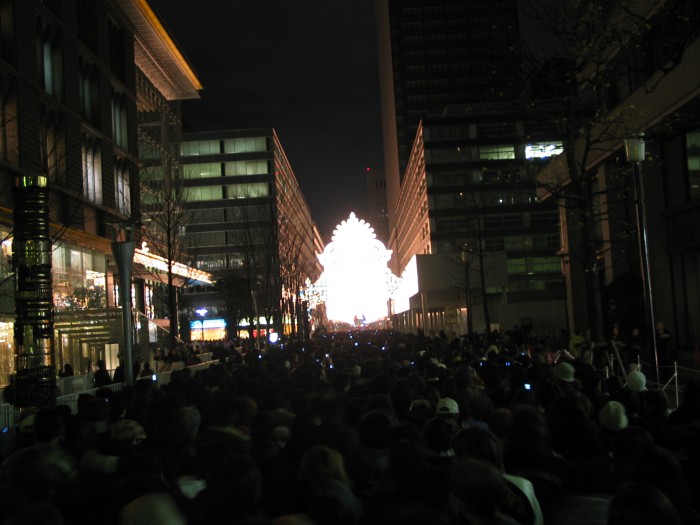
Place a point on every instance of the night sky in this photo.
(307, 68)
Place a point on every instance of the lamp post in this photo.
(202, 312)
(466, 254)
(634, 151)
(123, 252)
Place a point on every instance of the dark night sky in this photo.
(307, 68)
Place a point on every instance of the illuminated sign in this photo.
(208, 323)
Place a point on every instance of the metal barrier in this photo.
(71, 400)
(9, 416)
(71, 384)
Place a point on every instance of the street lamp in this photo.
(466, 254)
(202, 312)
(123, 252)
(634, 151)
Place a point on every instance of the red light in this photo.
(368, 168)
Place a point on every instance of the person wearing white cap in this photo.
(447, 408)
(636, 381)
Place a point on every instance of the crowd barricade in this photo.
(9, 416)
(165, 377)
(71, 400)
(71, 384)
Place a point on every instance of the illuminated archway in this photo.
(356, 283)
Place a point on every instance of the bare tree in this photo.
(255, 238)
(165, 217)
(580, 59)
(295, 268)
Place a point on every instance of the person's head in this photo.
(642, 505)
(438, 434)
(659, 467)
(447, 408)
(478, 443)
(323, 465)
(49, 426)
(478, 488)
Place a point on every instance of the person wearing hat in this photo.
(613, 417)
(564, 376)
(448, 409)
(636, 381)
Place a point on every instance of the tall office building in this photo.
(378, 213)
(251, 227)
(433, 54)
(457, 169)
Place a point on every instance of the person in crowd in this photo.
(101, 376)
(520, 501)
(642, 505)
(665, 346)
(324, 490)
(285, 438)
(67, 371)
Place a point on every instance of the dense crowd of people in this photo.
(362, 428)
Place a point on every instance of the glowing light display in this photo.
(542, 151)
(356, 283)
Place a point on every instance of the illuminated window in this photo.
(517, 266)
(245, 145)
(200, 147)
(496, 152)
(532, 265)
(53, 144)
(122, 189)
(543, 150)
(201, 239)
(50, 60)
(92, 170)
(120, 127)
(197, 171)
(204, 193)
(247, 167)
(546, 264)
(247, 191)
(88, 85)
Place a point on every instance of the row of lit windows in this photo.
(528, 265)
(514, 243)
(216, 147)
(235, 168)
(483, 199)
(230, 191)
(493, 152)
(234, 214)
(247, 237)
(217, 261)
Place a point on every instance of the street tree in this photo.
(580, 60)
(164, 220)
(253, 235)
